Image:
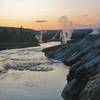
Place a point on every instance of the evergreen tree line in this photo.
(17, 35)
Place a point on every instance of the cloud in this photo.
(85, 15)
(65, 22)
(41, 21)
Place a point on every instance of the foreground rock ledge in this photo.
(84, 58)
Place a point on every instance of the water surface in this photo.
(31, 85)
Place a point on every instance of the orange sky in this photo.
(52, 23)
(44, 14)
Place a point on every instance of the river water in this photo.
(31, 85)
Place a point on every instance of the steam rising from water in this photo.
(39, 36)
(67, 30)
(96, 28)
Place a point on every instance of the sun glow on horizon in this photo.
(44, 14)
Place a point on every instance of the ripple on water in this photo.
(31, 85)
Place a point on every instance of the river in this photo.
(31, 85)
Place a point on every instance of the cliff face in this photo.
(84, 58)
(56, 35)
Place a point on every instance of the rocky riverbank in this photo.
(84, 58)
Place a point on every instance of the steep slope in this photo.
(84, 58)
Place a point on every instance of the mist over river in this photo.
(31, 85)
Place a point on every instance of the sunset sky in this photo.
(44, 14)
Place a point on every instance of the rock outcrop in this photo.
(57, 35)
(84, 76)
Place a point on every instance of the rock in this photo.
(91, 90)
(19, 65)
(83, 57)
(68, 88)
(41, 69)
(30, 65)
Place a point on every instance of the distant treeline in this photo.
(8, 34)
(17, 37)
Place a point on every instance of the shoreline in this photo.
(26, 84)
(83, 57)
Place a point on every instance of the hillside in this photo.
(83, 57)
(11, 37)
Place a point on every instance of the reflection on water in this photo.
(31, 85)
